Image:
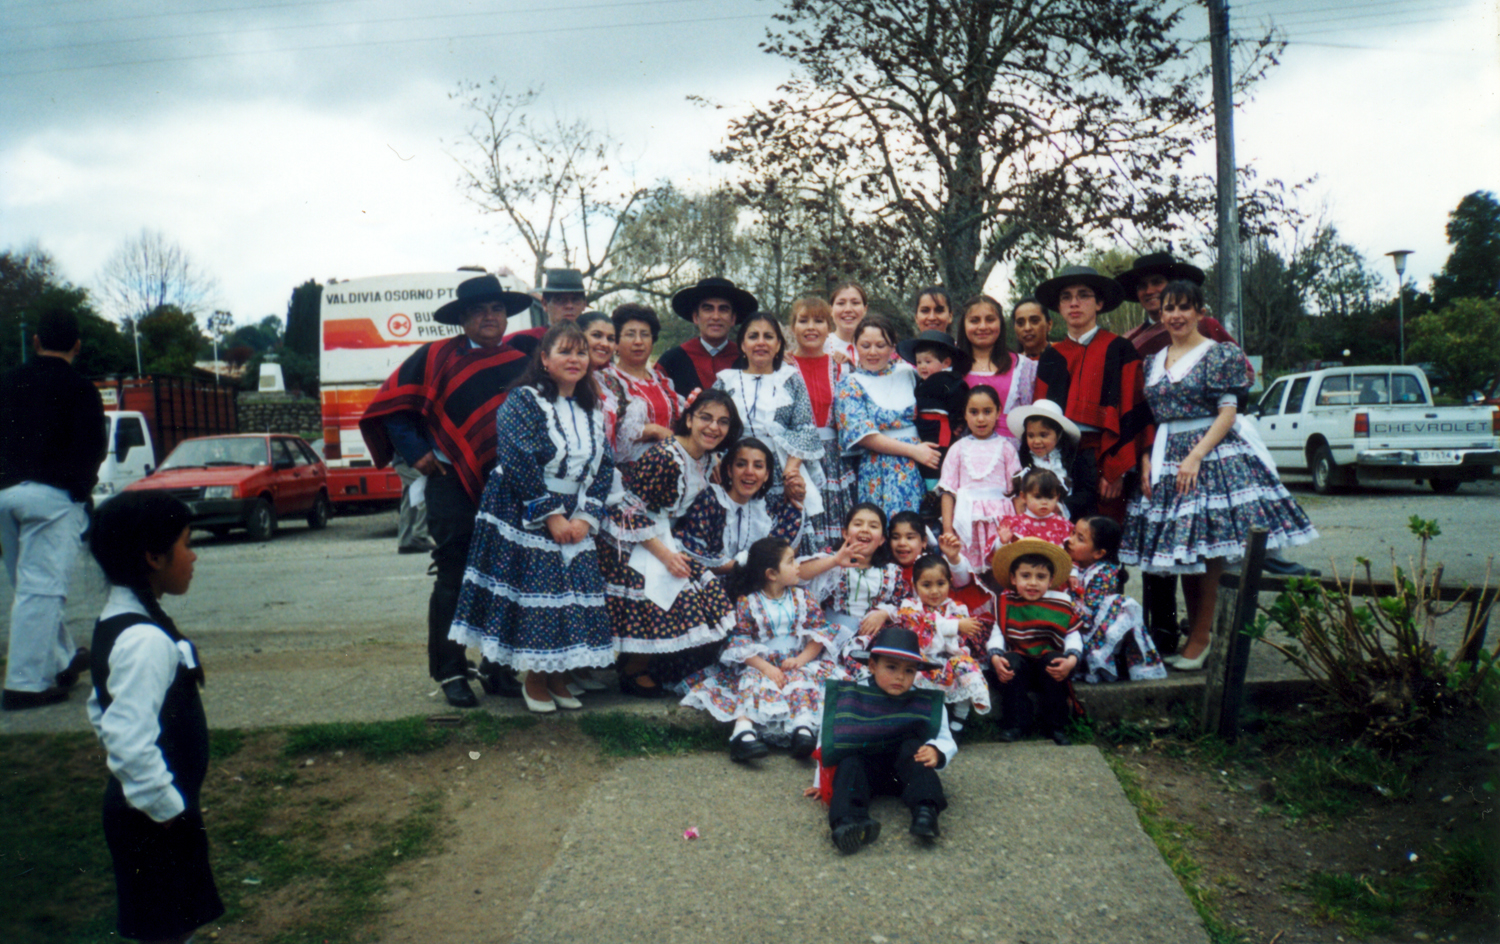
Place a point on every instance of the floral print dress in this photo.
(527, 601)
(717, 530)
(1237, 488)
(774, 629)
(1114, 628)
(659, 487)
(960, 679)
(882, 402)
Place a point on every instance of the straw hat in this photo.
(1062, 564)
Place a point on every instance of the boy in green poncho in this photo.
(881, 736)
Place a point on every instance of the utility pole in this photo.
(1228, 303)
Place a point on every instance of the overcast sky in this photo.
(281, 140)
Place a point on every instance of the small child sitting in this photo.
(883, 736)
(941, 391)
(774, 663)
(1036, 643)
(947, 634)
(1114, 630)
(1042, 493)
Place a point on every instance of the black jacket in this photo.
(51, 427)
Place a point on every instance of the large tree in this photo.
(148, 271)
(1463, 342)
(971, 124)
(557, 184)
(29, 285)
(1473, 266)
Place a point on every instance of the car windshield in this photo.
(198, 453)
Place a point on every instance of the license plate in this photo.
(1436, 457)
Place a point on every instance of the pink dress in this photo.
(1015, 387)
(980, 475)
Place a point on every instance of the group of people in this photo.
(731, 522)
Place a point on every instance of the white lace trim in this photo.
(525, 660)
(553, 601)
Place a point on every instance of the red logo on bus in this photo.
(399, 325)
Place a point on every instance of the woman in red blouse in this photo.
(652, 405)
(811, 325)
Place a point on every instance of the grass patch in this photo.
(1169, 838)
(225, 743)
(1351, 901)
(381, 740)
(621, 734)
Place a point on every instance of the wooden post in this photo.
(1227, 271)
(1225, 691)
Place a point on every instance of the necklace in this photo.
(859, 584)
(750, 413)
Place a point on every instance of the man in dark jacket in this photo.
(51, 443)
(437, 411)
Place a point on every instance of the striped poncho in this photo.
(859, 718)
(1035, 627)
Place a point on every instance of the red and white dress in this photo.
(960, 678)
(650, 401)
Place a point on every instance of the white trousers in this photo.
(41, 532)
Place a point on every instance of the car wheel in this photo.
(1445, 486)
(262, 521)
(317, 519)
(1325, 473)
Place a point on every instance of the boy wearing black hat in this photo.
(941, 392)
(882, 736)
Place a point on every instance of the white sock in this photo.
(961, 710)
(741, 725)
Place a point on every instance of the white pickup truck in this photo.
(1349, 423)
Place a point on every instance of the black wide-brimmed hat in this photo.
(560, 281)
(1109, 291)
(1158, 263)
(898, 642)
(485, 288)
(940, 339)
(686, 302)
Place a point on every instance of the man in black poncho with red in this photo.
(438, 412)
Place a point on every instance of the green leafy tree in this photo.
(29, 285)
(967, 126)
(1462, 341)
(170, 341)
(304, 331)
(1473, 267)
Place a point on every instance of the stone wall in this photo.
(280, 413)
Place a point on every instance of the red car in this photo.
(248, 481)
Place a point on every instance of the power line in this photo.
(309, 26)
(297, 5)
(379, 42)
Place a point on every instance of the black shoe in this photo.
(1060, 738)
(501, 682)
(459, 694)
(427, 548)
(19, 701)
(924, 822)
(803, 743)
(1011, 735)
(854, 834)
(746, 746)
(78, 665)
(1286, 568)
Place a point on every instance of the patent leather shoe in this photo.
(459, 694)
(803, 743)
(924, 822)
(746, 746)
(500, 682)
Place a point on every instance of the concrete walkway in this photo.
(1039, 845)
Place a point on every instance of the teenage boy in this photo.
(715, 306)
(882, 736)
(1143, 283)
(1037, 641)
(1106, 381)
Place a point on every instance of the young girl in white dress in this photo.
(977, 479)
(769, 680)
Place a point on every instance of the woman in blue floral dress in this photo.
(1209, 478)
(532, 595)
(877, 411)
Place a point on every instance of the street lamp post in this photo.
(1399, 257)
